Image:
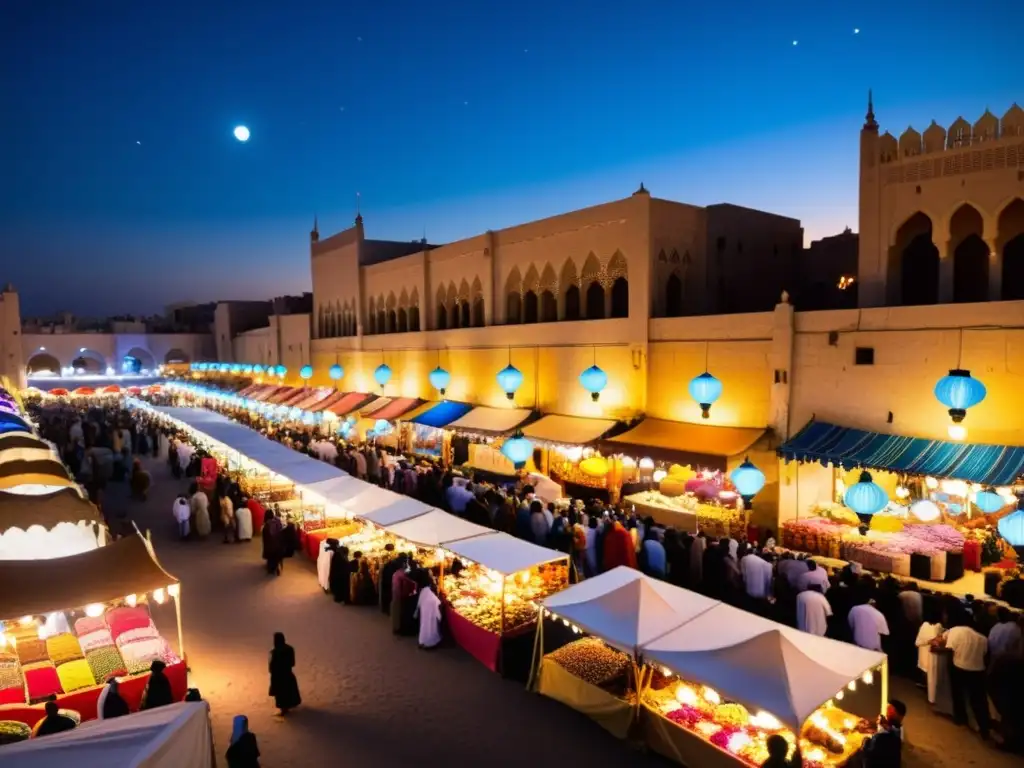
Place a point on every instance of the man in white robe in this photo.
(428, 610)
(813, 611)
(323, 566)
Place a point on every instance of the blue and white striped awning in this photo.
(852, 448)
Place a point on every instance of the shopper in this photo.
(283, 685)
(243, 751)
(967, 674)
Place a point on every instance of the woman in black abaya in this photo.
(283, 685)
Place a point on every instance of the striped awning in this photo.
(41, 472)
(395, 408)
(497, 421)
(851, 448)
(352, 401)
(568, 430)
(327, 402)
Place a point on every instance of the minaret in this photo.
(314, 234)
(873, 249)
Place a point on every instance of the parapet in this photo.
(960, 135)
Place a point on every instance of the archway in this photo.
(392, 321)
(465, 318)
(915, 260)
(514, 309)
(548, 307)
(43, 364)
(414, 319)
(382, 321)
(478, 312)
(595, 301)
(137, 360)
(1013, 269)
(620, 297)
(177, 356)
(572, 303)
(530, 309)
(403, 320)
(89, 361)
(673, 296)
(970, 256)
(442, 317)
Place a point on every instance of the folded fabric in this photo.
(75, 675)
(120, 620)
(32, 650)
(10, 674)
(41, 680)
(135, 635)
(9, 655)
(12, 695)
(63, 648)
(88, 624)
(105, 663)
(98, 639)
(138, 655)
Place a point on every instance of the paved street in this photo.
(373, 699)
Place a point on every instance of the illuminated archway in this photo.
(89, 361)
(136, 360)
(43, 364)
(177, 356)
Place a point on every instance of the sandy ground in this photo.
(371, 698)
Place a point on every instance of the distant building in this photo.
(827, 274)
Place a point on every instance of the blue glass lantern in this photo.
(705, 389)
(307, 418)
(281, 371)
(988, 501)
(594, 380)
(225, 367)
(295, 413)
(510, 379)
(865, 497)
(959, 391)
(257, 369)
(381, 427)
(1011, 528)
(194, 367)
(236, 368)
(246, 369)
(517, 449)
(200, 366)
(306, 372)
(336, 372)
(749, 480)
(382, 374)
(439, 379)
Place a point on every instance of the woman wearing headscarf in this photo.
(338, 579)
(243, 751)
(140, 481)
(283, 685)
(272, 542)
(110, 704)
(201, 511)
(158, 689)
(227, 517)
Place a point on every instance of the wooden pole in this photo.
(181, 634)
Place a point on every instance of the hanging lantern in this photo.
(281, 371)
(1011, 528)
(865, 497)
(381, 426)
(988, 501)
(257, 369)
(246, 369)
(194, 367)
(382, 374)
(236, 368)
(749, 480)
(306, 372)
(336, 372)
(510, 379)
(439, 379)
(959, 391)
(517, 449)
(705, 389)
(225, 367)
(594, 380)
(200, 366)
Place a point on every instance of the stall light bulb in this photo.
(711, 696)
(819, 720)
(159, 596)
(686, 695)
(439, 553)
(174, 590)
(41, 632)
(3, 641)
(766, 721)
(852, 685)
(26, 621)
(94, 610)
(848, 724)
(902, 493)
(666, 672)
(931, 483)
(839, 696)
(738, 741)
(957, 432)
(868, 678)
(659, 475)
(566, 622)
(816, 755)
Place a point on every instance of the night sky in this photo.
(122, 188)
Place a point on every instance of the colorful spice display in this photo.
(591, 660)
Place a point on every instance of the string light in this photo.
(94, 610)
(159, 596)
(174, 590)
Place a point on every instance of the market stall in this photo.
(24, 446)
(492, 593)
(425, 434)
(567, 453)
(676, 472)
(611, 616)
(72, 623)
(56, 524)
(903, 505)
(376, 421)
(720, 684)
(477, 436)
(18, 475)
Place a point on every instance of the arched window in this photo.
(530, 307)
(392, 321)
(464, 310)
(371, 319)
(673, 296)
(442, 318)
(620, 297)
(403, 320)
(572, 303)
(513, 309)
(414, 319)
(382, 321)
(548, 307)
(478, 312)
(595, 301)
(454, 315)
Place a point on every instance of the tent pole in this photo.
(181, 641)
(885, 685)
(537, 643)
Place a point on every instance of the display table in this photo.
(680, 519)
(676, 743)
(610, 712)
(482, 645)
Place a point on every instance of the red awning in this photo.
(352, 401)
(396, 408)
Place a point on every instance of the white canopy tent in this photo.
(627, 609)
(761, 664)
(436, 528)
(166, 737)
(503, 553)
(391, 508)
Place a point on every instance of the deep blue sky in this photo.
(447, 117)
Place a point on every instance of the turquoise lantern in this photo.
(306, 372)
(281, 371)
(749, 480)
(517, 449)
(335, 372)
(257, 369)
(382, 374)
(959, 391)
(988, 501)
(381, 427)
(225, 367)
(194, 367)
(440, 379)
(236, 368)
(594, 380)
(865, 497)
(200, 366)
(705, 389)
(510, 379)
